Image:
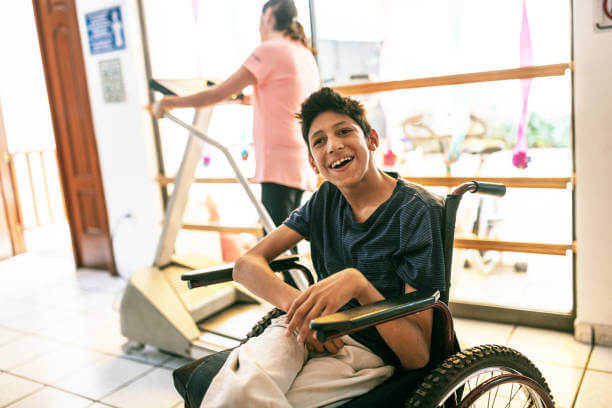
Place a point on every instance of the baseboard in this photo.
(593, 333)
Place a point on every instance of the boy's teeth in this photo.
(340, 161)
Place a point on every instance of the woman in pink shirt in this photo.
(283, 73)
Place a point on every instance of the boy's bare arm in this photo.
(408, 337)
(252, 269)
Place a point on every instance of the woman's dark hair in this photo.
(328, 100)
(285, 17)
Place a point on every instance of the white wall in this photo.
(593, 109)
(125, 144)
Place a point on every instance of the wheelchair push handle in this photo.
(495, 189)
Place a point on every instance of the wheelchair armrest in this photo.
(223, 273)
(358, 318)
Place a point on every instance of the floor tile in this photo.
(103, 377)
(601, 359)
(34, 321)
(108, 339)
(76, 330)
(595, 390)
(563, 382)
(8, 335)
(51, 398)
(549, 346)
(474, 333)
(51, 367)
(11, 310)
(14, 388)
(154, 390)
(24, 349)
(98, 280)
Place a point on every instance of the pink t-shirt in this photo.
(286, 74)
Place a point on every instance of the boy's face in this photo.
(340, 151)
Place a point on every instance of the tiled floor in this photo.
(60, 346)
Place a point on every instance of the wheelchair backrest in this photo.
(451, 203)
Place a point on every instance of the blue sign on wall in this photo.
(105, 30)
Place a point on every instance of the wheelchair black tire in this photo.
(454, 372)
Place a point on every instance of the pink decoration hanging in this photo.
(205, 156)
(520, 158)
(389, 158)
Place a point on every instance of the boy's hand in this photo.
(331, 346)
(323, 298)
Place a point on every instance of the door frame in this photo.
(63, 63)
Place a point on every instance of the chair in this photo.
(480, 376)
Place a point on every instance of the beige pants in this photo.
(273, 370)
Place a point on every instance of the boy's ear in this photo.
(313, 164)
(373, 140)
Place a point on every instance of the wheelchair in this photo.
(482, 376)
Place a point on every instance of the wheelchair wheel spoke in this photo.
(495, 397)
(527, 401)
(518, 389)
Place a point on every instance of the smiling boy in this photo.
(372, 236)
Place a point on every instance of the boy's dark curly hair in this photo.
(325, 100)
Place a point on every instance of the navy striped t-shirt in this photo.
(401, 242)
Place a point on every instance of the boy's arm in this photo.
(252, 269)
(409, 337)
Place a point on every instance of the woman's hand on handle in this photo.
(162, 106)
(215, 94)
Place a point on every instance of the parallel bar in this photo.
(164, 181)
(258, 232)
(457, 79)
(509, 246)
(461, 243)
(514, 182)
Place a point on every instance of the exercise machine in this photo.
(157, 308)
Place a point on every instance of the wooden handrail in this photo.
(513, 182)
(164, 181)
(460, 243)
(511, 246)
(258, 232)
(28, 155)
(457, 79)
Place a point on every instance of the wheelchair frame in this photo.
(446, 381)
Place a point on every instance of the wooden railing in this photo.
(511, 182)
(38, 202)
(458, 79)
(460, 242)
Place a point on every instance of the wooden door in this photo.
(62, 57)
(11, 233)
